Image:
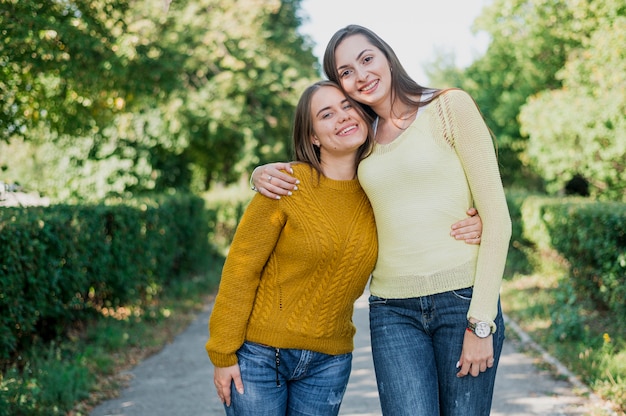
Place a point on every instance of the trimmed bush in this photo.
(60, 264)
(590, 236)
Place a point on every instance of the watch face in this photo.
(483, 330)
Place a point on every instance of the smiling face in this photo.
(363, 70)
(338, 128)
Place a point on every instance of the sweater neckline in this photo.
(349, 185)
(386, 147)
(340, 185)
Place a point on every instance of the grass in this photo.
(589, 341)
(71, 376)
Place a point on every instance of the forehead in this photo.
(351, 47)
(326, 96)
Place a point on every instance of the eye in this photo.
(368, 59)
(347, 106)
(326, 115)
(345, 73)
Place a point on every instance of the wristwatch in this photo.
(481, 329)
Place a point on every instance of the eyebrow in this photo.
(328, 107)
(358, 57)
(322, 110)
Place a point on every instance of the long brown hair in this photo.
(303, 148)
(403, 87)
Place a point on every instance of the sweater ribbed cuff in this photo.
(223, 360)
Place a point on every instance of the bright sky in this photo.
(415, 29)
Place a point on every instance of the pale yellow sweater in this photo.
(294, 270)
(418, 186)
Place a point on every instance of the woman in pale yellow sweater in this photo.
(281, 331)
(434, 311)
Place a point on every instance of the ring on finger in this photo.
(269, 178)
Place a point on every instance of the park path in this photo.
(178, 381)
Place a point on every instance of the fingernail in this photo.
(277, 196)
(297, 181)
(458, 364)
(295, 188)
(289, 193)
(240, 391)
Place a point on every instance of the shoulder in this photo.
(456, 95)
(301, 167)
(458, 104)
(304, 172)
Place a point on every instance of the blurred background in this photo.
(129, 128)
(119, 97)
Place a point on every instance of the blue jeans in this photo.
(304, 383)
(416, 344)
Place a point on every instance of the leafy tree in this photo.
(580, 129)
(237, 108)
(530, 42)
(53, 55)
(112, 96)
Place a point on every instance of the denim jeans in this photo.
(304, 383)
(416, 344)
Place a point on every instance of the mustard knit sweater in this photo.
(295, 268)
(420, 184)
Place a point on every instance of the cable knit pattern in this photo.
(423, 182)
(295, 268)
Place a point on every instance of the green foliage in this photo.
(52, 57)
(49, 384)
(519, 247)
(107, 99)
(225, 208)
(567, 316)
(64, 263)
(56, 378)
(569, 299)
(551, 86)
(581, 128)
(529, 45)
(590, 342)
(591, 237)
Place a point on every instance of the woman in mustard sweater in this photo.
(281, 330)
(435, 315)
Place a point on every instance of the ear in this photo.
(315, 141)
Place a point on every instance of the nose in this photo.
(344, 114)
(361, 74)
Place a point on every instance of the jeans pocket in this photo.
(252, 353)
(465, 293)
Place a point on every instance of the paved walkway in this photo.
(178, 381)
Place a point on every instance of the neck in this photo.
(339, 168)
(395, 112)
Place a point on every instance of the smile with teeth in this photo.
(347, 130)
(370, 86)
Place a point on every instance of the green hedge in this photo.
(59, 264)
(591, 236)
